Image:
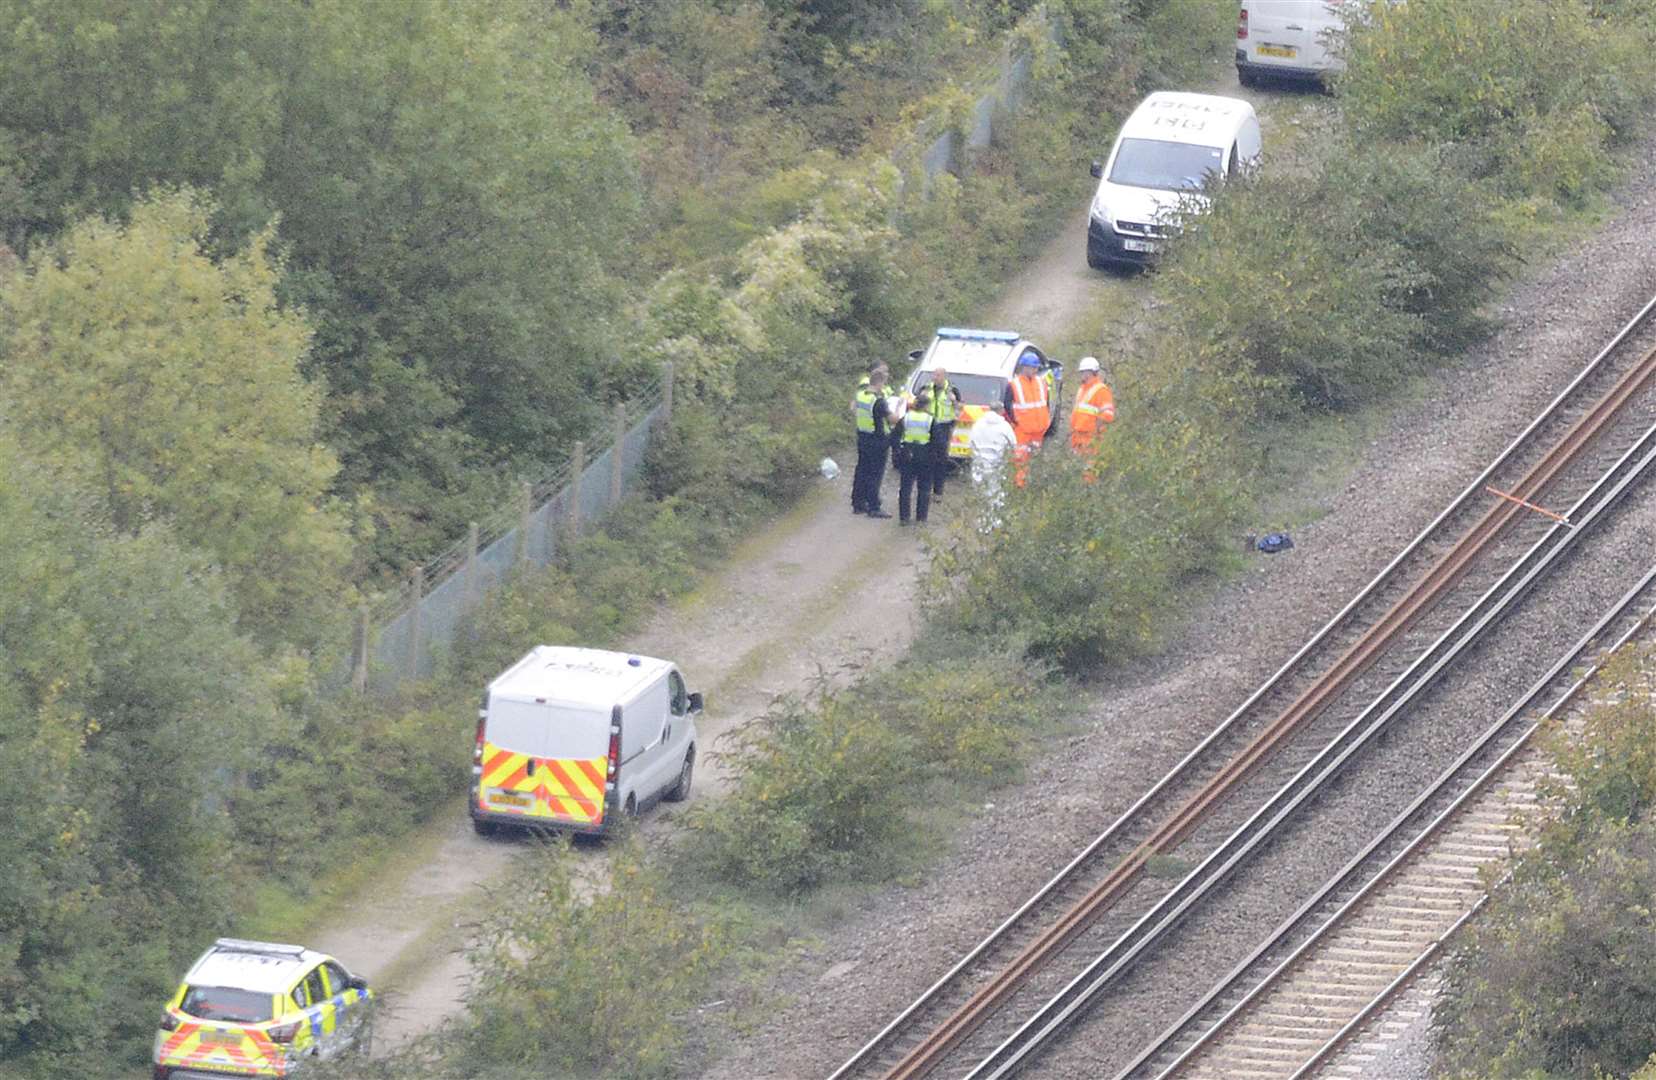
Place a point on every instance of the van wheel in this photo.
(485, 829)
(681, 790)
(1246, 77)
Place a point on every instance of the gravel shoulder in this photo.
(1139, 719)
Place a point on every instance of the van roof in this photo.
(577, 678)
(1175, 116)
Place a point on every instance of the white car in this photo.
(1288, 39)
(1162, 157)
(979, 363)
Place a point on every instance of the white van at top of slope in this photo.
(1293, 39)
(576, 739)
(1162, 156)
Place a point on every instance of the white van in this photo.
(1162, 156)
(1287, 39)
(577, 739)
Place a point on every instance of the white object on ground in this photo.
(828, 469)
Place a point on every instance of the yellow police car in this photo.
(253, 1008)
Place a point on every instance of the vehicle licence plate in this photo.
(1138, 245)
(221, 1038)
(1287, 52)
(502, 797)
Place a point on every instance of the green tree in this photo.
(127, 698)
(169, 384)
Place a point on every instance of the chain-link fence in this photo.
(399, 638)
(1011, 79)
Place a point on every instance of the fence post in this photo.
(616, 455)
(578, 476)
(526, 510)
(471, 565)
(666, 393)
(417, 587)
(359, 670)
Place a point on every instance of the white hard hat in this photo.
(1088, 363)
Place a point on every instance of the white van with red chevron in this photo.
(579, 739)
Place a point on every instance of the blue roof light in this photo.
(977, 335)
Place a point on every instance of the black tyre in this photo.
(1246, 77)
(681, 790)
(1094, 262)
(485, 829)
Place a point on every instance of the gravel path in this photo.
(1140, 720)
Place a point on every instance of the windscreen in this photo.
(224, 1003)
(974, 389)
(1168, 166)
(547, 731)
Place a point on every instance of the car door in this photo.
(316, 1011)
(349, 1010)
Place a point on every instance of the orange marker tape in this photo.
(1529, 505)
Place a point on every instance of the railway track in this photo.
(1300, 716)
(1360, 939)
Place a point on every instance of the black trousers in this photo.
(916, 466)
(939, 447)
(865, 482)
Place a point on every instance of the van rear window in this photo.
(547, 731)
(1167, 166)
(226, 1003)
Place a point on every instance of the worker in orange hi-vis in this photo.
(1094, 407)
(1028, 404)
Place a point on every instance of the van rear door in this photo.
(1289, 34)
(544, 761)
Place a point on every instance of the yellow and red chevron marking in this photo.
(960, 442)
(566, 789)
(253, 1051)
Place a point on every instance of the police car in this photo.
(979, 364)
(254, 1008)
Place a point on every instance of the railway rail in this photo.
(1389, 911)
(1295, 706)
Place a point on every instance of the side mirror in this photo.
(357, 982)
(695, 701)
(916, 354)
(1097, 170)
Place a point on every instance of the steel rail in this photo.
(1357, 659)
(1389, 834)
(1052, 1017)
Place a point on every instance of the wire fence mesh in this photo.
(403, 635)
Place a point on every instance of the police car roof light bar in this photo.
(977, 335)
(273, 949)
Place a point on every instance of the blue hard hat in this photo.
(1029, 358)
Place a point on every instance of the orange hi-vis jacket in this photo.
(1031, 413)
(1094, 407)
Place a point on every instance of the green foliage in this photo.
(1069, 574)
(170, 384)
(1532, 92)
(572, 984)
(127, 697)
(826, 788)
(422, 168)
(1554, 978)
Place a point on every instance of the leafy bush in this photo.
(827, 787)
(1071, 574)
(1533, 90)
(1554, 979)
(572, 980)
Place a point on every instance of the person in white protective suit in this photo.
(992, 441)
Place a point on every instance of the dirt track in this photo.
(794, 604)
